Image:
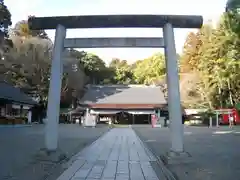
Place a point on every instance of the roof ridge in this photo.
(13, 93)
(124, 94)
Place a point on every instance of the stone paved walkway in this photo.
(118, 155)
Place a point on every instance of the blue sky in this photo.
(210, 9)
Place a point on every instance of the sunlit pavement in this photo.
(118, 155)
(215, 151)
(20, 145)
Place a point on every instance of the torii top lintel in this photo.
(116, 21)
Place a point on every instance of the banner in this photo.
(153, 120)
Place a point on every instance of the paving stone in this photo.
(84, 170)
(118, 155)
(123, 167)
(71, 171)
(122, 176)
(110, 170)
(97, 170)
(148, 171)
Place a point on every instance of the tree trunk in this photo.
(230, 92)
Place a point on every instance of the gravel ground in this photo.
(19, 147)
(215, 152)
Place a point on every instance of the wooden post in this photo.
(210, 122)
(217, 120)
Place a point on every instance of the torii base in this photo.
(175, 158)
(50, 156)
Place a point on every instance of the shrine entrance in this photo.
(166, 22)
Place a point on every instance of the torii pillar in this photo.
(174, 105)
